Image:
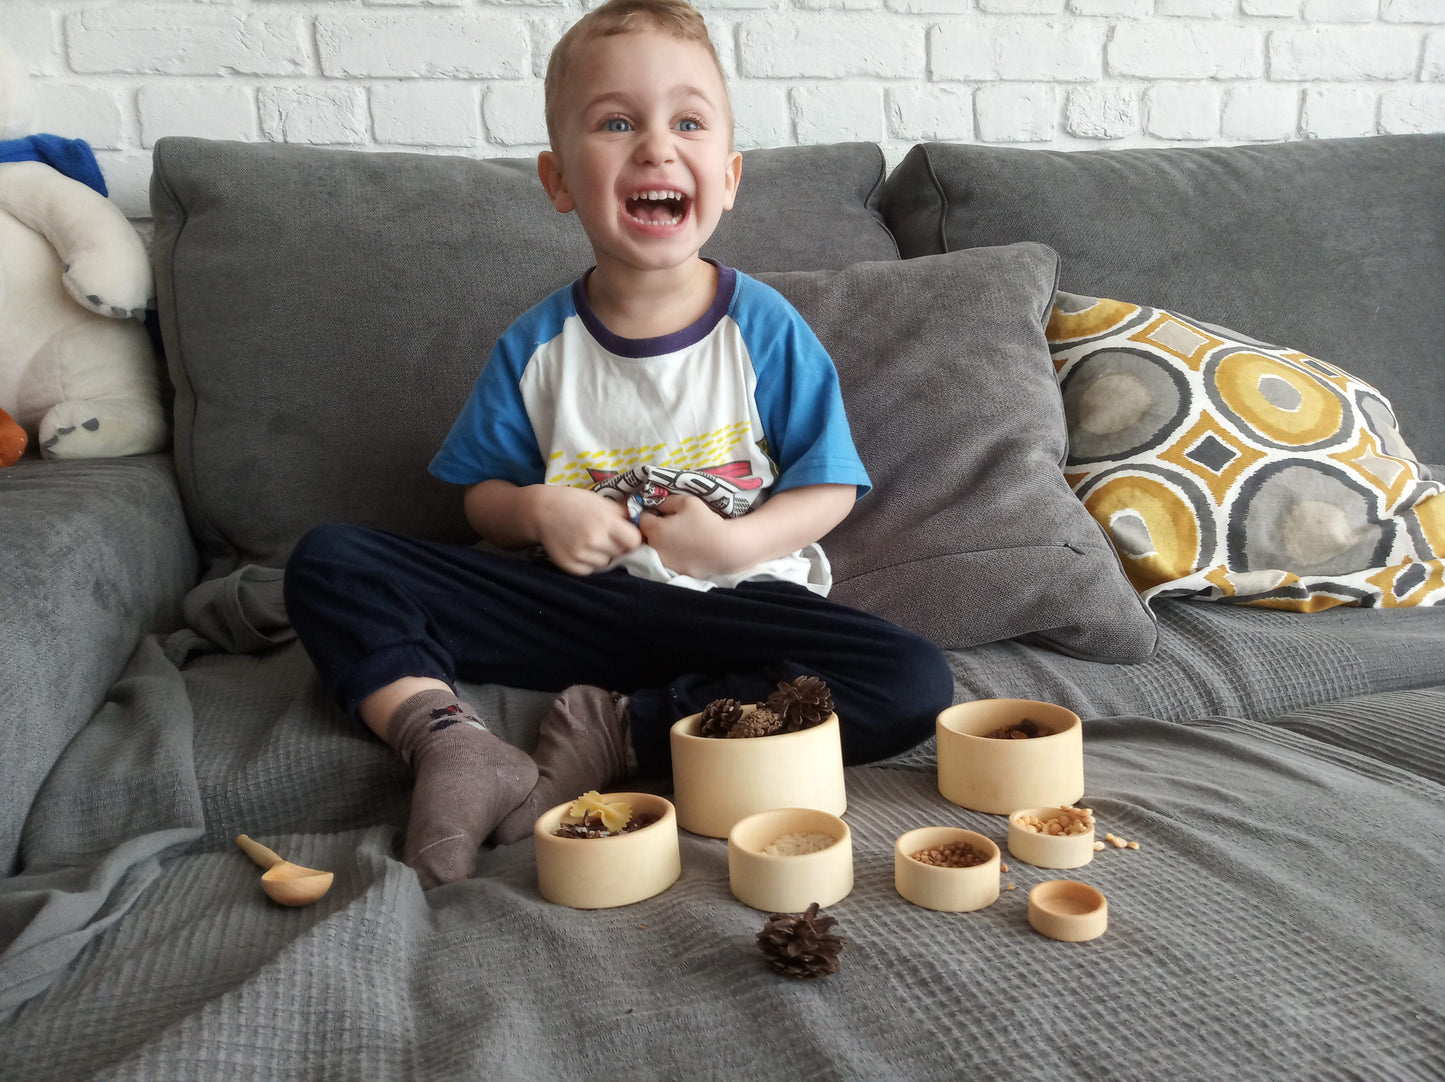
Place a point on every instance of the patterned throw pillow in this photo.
(1225, 469)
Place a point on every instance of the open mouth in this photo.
(660, 206)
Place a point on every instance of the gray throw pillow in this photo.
(971, 534)
(325, 313)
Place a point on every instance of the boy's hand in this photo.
(582, 531)
(689, 536)
(692, 539)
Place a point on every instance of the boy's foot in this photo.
(467, 780)
(582, 746)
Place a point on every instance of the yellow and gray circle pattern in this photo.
(1228, 469)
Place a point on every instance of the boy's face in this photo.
(644, 149)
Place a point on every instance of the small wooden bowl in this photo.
(716, 781)
(600, 873)
(1047, 850)
(1068, 910)
(983, 773)
(789, 884)
(949, 890)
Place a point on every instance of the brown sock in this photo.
(583, 745)
(466, 781)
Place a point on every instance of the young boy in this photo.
(671, 435)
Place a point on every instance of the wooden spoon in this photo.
(284, 882)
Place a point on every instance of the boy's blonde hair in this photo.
(674, 17)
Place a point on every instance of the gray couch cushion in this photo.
(973, 534)
(325, 313)
(1224, 659)
(96, 553)
(1334, 246)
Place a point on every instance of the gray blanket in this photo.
(1281, 920)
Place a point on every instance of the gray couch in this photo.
(323, 314)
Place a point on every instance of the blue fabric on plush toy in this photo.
(72, 157)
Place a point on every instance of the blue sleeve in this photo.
(798, 396)
(492, 437)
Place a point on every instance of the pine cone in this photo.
(803, 703)
(801, 944)
(761, 722)
(719, 716)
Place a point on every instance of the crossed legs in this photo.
(392, 623)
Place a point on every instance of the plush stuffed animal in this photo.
(77, 370)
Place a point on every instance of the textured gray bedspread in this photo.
(1281, 920)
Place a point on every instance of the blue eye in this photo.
(617, 124)
(689, 125)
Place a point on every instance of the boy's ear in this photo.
(549, 171)
(731, 178)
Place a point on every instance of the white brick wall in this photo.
(464, 76)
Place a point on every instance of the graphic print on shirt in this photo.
(643, 488)
(711, 466)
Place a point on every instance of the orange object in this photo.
(12, 440)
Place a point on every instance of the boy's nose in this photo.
(655, 147)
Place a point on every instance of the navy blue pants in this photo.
(371, 607)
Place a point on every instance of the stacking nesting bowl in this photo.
(949, 890)
(718, 781)
(988, 774)
(600, 873)
(783, 860)
(1068, 910)
(1048, 850)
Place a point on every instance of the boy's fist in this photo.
(689, 536)
(582, 531)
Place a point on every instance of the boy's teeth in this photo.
(656, 201)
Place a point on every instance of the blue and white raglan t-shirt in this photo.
(743, 403)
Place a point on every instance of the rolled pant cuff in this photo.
(384, 667)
